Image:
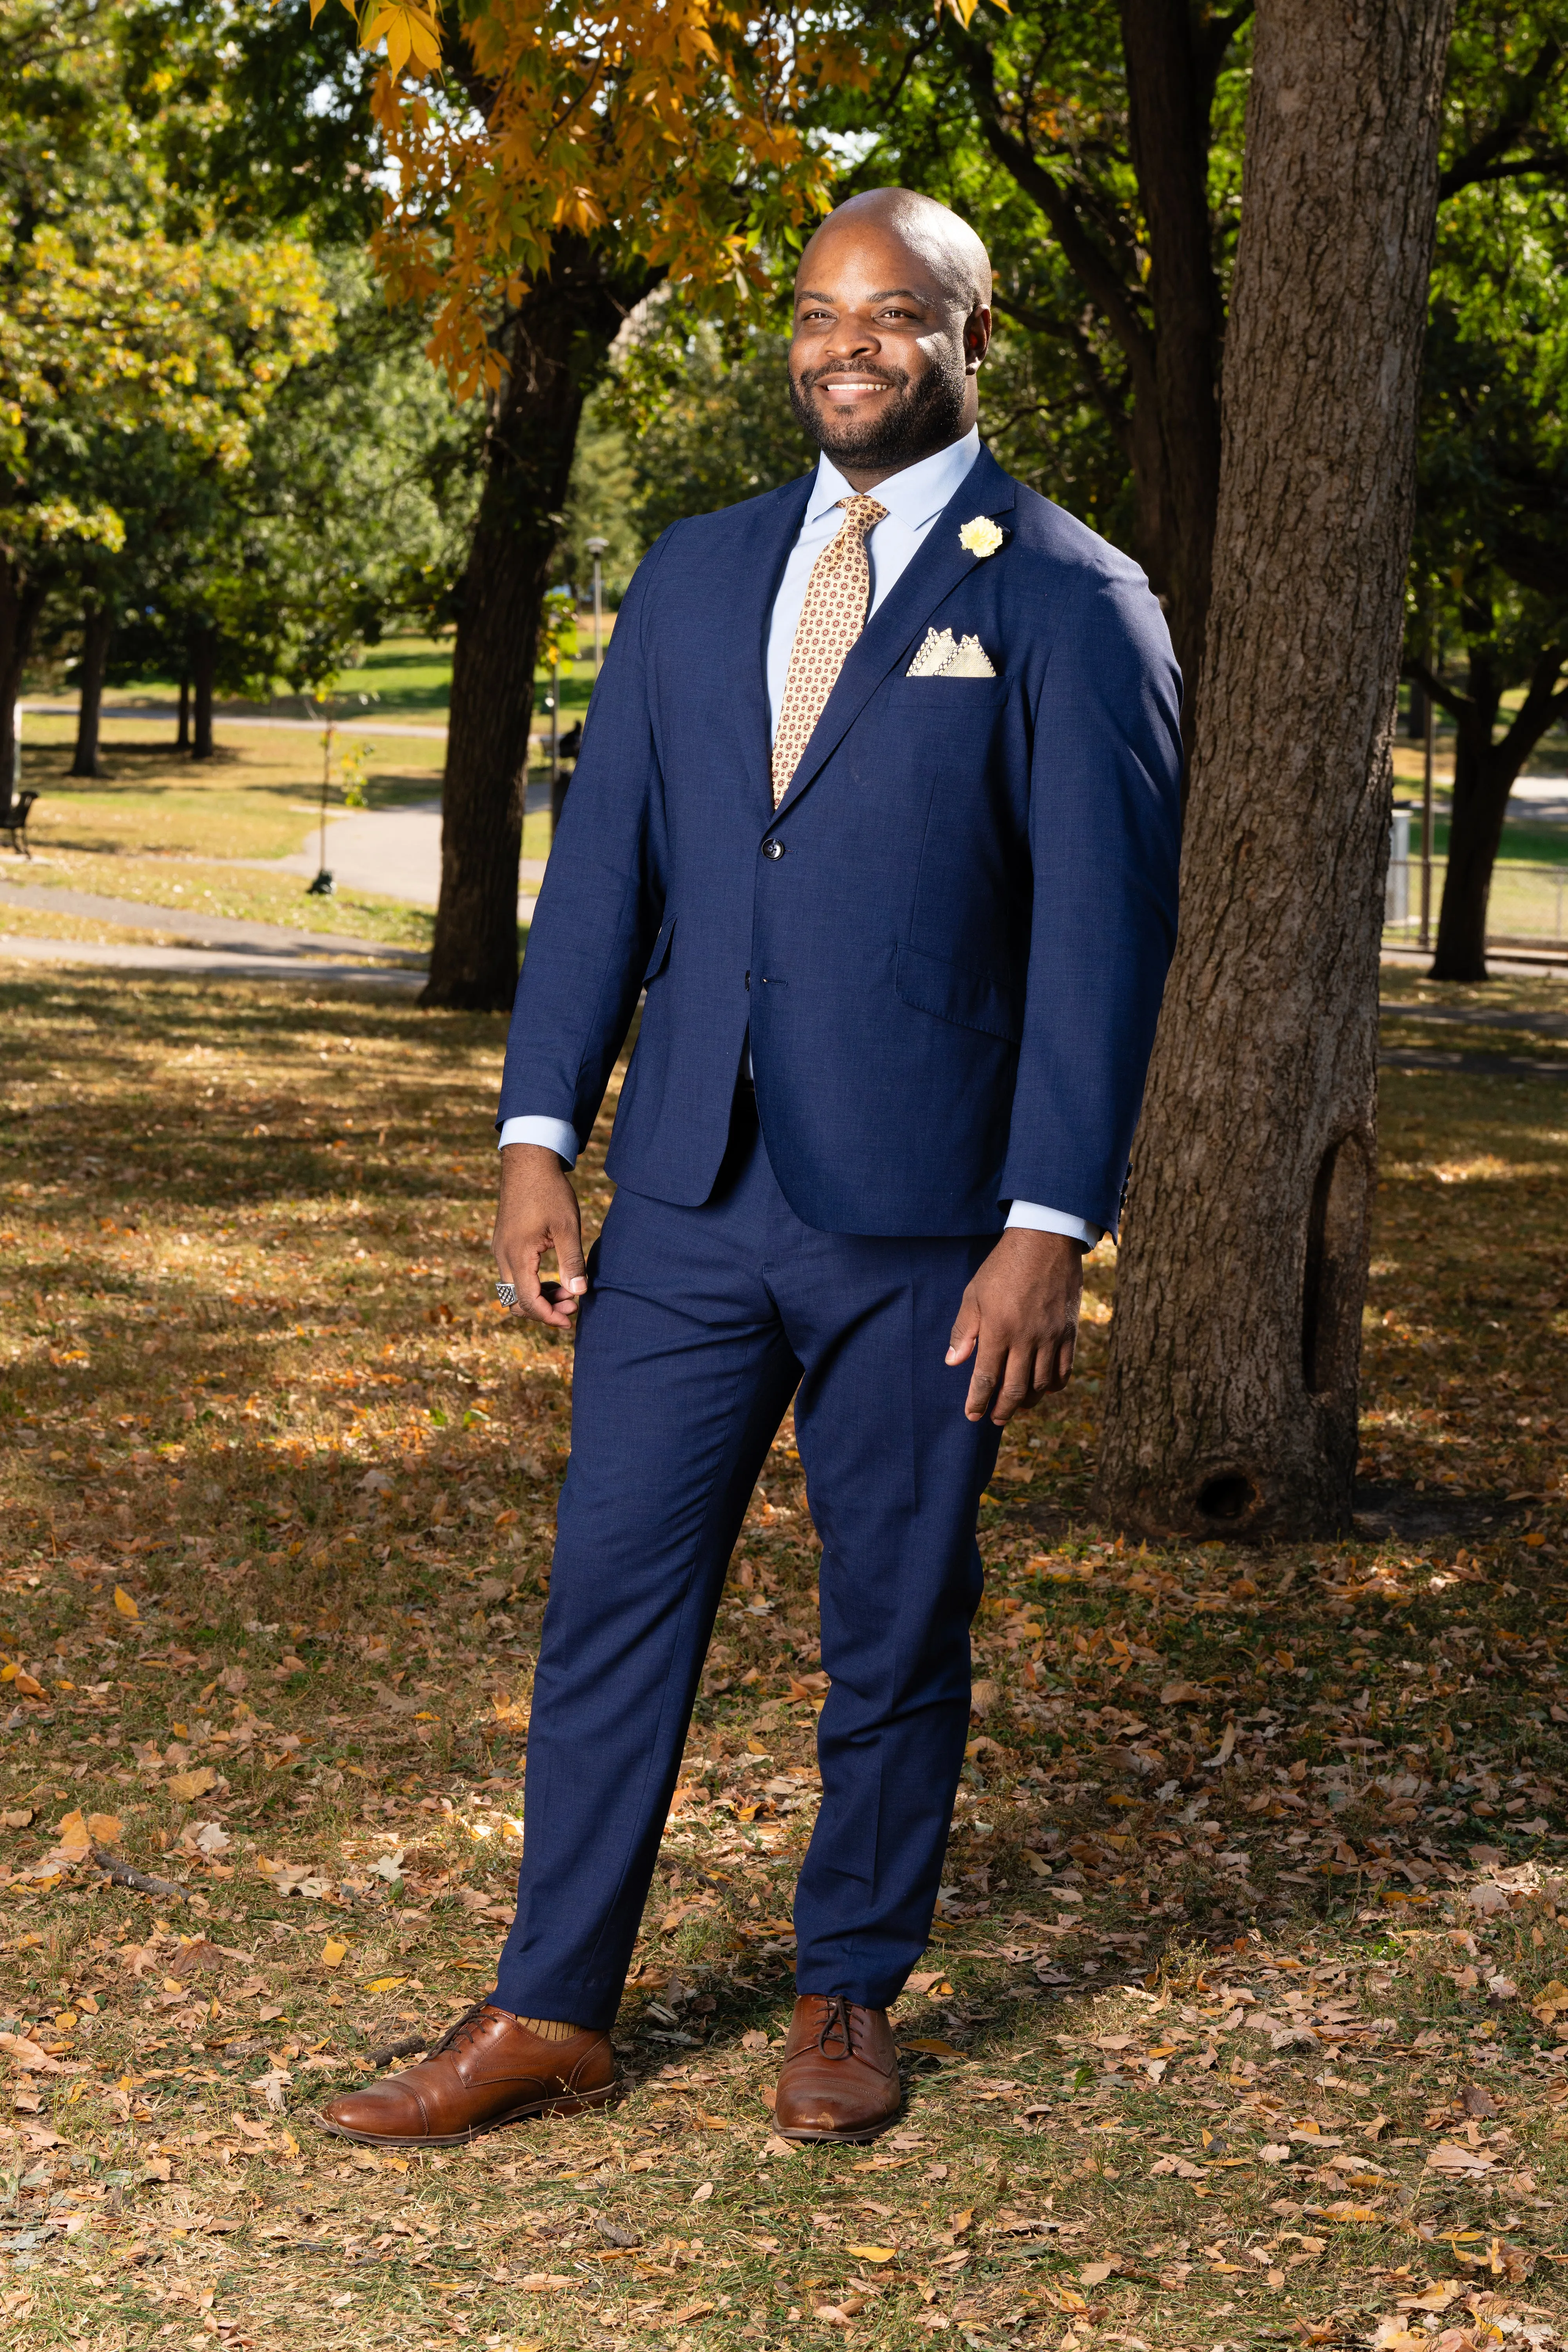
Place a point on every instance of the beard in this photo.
(926, 416)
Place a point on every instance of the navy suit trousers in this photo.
(698, 1325)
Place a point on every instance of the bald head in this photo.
(892, 317)
(947, 246)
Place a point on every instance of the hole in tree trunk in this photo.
(1227, 1496)
(1332, 1295)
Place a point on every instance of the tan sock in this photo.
(549, 2029)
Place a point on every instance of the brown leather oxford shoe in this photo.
(839, 2079)
(486, 2071)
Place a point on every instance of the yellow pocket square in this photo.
(940, 656)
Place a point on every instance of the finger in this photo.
(533, 1303)
(570, 1260)
(985, 1379)
(965, 1329)
(1014, 1391)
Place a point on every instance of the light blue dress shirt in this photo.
(914, 498)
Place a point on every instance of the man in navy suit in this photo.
(879, 801)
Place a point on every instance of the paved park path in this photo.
(395, 854)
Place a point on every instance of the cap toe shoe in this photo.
(486, 2071)
(840, 2077)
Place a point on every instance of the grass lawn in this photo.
(1245, 2021)
(154, 828)
(402, 678)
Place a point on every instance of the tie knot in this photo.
(864, 513)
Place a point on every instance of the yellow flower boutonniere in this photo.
(981, 536)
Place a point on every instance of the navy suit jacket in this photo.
(948, 945)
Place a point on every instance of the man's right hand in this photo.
(538, 1213)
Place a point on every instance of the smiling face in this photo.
(891, 322)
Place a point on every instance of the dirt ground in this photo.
(1245, 2021)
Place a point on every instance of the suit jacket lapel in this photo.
(933, 572)
(749, 597)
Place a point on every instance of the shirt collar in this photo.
(915, 497)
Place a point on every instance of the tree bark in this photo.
(1231, 1396)
(97, 629)
(182, 724)
(1176, 433)
(203, 671)
(555, 344)
(1170, 331)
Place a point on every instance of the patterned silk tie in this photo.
(831, 618)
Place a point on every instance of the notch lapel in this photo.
(934, 572)
(750, 598)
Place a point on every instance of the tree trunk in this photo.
(97, 629)
(1231, 1396)
(1176, 436)
(21, 602)
(204, 671)
(1172, 434)
(1481, 787)
(556, 344)
(183, 726)
(1485, 774)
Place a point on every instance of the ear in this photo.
(976, 338)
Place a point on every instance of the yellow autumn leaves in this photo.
(410, 32)
(635, 121)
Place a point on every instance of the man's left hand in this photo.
(1019, 1319)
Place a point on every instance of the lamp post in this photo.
(321, 888)
(1430, 732)
(596, 548)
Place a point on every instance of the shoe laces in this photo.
(838, 2025)
(464, 2028)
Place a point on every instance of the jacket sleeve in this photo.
(601, 899)
(1105, 839)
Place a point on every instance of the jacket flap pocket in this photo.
(660, 955)
(958, 992)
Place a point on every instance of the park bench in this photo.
(14, 817)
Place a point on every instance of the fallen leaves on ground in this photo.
(1246, 2006)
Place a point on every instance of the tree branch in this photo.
(1521, 92)
(1447, 698)
(1100, 281)
(1524, 558)
(1211, 36)
(1551, 164)
(1536, 712)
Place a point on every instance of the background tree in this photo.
(351, 512)
(1490, 576)
(560, 168)
(1098, 149)
(1235, 1352)
(125, 315)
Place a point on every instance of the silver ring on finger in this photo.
(507, 1293)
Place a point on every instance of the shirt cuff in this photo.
(557, 1135)
(1027, 1213)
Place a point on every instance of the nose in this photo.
(851, 339)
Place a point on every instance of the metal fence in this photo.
(1527, 906)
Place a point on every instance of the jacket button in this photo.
(772, 847)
